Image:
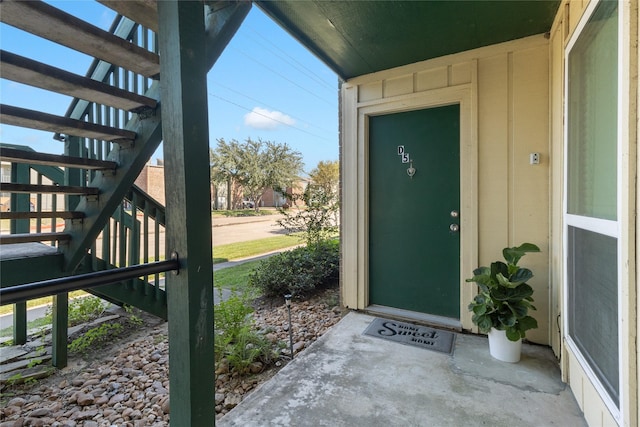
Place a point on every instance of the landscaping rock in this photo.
(128, 384)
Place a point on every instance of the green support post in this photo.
(72, 176)
(20, 203)
(60, 309)
(20, 323)
(183, 72)
(59, 330)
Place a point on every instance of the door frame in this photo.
(355, 172)
(413, 235)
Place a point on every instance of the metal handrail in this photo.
(44, 288)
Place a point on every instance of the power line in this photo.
(267, 105)
(291, 61)
(270, 118)
(284, 77)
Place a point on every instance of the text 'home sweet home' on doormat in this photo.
(410, 334)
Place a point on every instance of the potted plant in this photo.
(501, 308)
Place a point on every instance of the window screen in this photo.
(593, 303)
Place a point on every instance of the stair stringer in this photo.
(131, 159)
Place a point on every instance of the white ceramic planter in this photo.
(502, 349)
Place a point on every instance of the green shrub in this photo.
(81, 310)
(300, 271)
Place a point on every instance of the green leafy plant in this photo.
(133, 318)
(15, 379)
(232, 314)
(81, 310)
(98, 335)
(299, 271)
(505, 298)
(18, 378)
(247, 347)
(34, 362)
(236, 340)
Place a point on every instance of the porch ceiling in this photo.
(361, 37)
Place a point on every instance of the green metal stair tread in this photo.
(9, 239)
(26, 250)
(55, 174)
(144, 12)
(33, 73)
(48, 22)
(29, 269)
(32, 119)
(35, 158)
(42, 215)
(58, 189)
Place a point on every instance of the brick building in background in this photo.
(151, 180)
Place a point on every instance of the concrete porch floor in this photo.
(350, 379)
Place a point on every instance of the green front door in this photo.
(414, 237)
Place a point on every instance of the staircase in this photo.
(80, 211)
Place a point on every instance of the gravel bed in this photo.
(128, 384)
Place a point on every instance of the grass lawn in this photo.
(224, 253)
(235, 278)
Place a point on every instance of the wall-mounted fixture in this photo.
(534, 158)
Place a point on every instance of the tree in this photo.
(327, 176)
(256, 165)
(317, 218)
(225, 162)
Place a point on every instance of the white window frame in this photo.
(602, 226)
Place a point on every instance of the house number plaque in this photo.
(405, 158)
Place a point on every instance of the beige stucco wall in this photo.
(504, 96)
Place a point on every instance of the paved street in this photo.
(233, 230)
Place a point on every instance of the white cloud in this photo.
(261, 118)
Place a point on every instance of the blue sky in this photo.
(265, 85)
